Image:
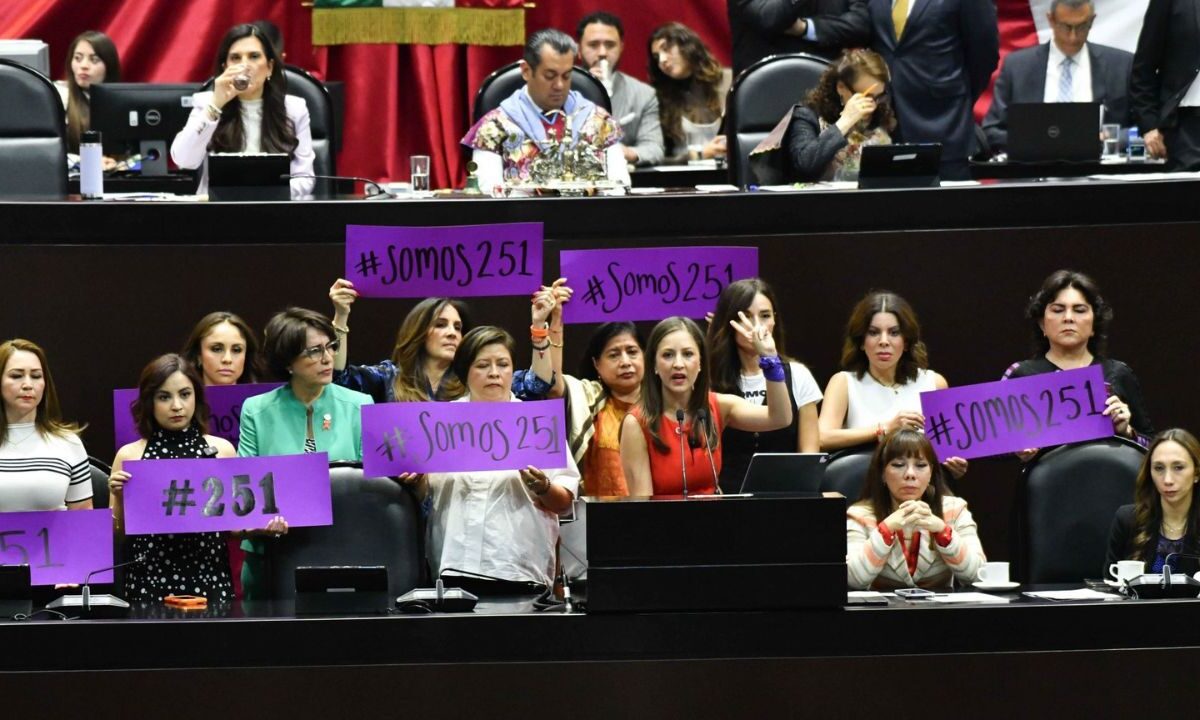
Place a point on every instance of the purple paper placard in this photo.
(59, 546)
(451, 261)
(462, 436)
(225, 402)
(299, 485)
(1010, 415)
(651, 283)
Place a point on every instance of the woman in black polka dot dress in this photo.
(171, 416)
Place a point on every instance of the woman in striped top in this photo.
(43, 465)
(926, 537)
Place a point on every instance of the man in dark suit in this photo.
(819, 27)
(941, 54)
(1066, 69)
(1163, 93)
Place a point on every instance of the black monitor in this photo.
(146, 114)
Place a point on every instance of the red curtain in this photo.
(400, 100)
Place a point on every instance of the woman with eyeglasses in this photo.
(308, 414)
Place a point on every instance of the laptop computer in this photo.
(790, 473)
(245, 177)
(900, 166)
(1049, 132)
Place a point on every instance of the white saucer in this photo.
(1114, 583)
(996, 586)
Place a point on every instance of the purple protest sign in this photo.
(462, 436)
(211, 495)
(452, 261)
(1010, 415)
(225, 402)
(651, 283)
(59, 546)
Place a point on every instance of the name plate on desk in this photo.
(58, 546)
(451, 261)
(651, 283)
(1011, 415)
(213, 495)
(428, 437)
(225, 402)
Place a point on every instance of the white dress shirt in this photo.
(1081, 75)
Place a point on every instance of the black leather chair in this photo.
(33, 133)
(847, 470)
(1069, 498)
(100, 472)
(505, 81)
(758, 100)
(376, 521)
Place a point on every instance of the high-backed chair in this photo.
(846, 471)
(99, 471)
(1070, 496)
(758, 99)
(376, 521)
(505, 81)
(33, 133)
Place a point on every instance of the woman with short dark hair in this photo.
(907, 529)
(223, 349)
(258, 117)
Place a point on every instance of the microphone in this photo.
(702, 418)
(373, 189)
(682, 458)
(1168, 585)
(103, 605)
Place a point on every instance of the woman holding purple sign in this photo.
(172, 417)
(677, 410)
(494, 533)
(885, 368)
(43, 465)
(1068, 319)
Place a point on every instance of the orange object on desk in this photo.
(186, 602)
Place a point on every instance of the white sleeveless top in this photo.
(869, 403)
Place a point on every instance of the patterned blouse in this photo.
(496, 132)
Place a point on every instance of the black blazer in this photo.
(941, 64)
(1120, 545)
(1165, 63)
(811, 152)
(1023, 80)
(758, 28)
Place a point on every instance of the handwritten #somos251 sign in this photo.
(428, 437)
(1010, 415)
(212, 495)
(452, 261)
(651, 283)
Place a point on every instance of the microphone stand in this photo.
(368, 184)
(702, 418)
(682, 449)
(103, 605)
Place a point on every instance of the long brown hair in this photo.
(152, 378)
(79, 109)
(848, 68)
(672, 93)
(1147, 503)
(915, 356)
(902, 444)
(278, 133)
(722, 342)
(651, 404)
(252, 368)
(48, 420)
(409, 354)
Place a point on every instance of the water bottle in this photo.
(1136, 149)
(91, 165)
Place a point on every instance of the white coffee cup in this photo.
(1126, 570)
(994, 573)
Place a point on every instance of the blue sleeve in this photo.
(528, 386)
(374, 380)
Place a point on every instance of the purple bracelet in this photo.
(772, 368)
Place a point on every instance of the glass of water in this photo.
(420, 173)
(1110, 135)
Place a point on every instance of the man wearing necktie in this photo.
(941, 54)
(1066, 69)
(1163, 91)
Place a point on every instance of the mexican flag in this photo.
(419, 22)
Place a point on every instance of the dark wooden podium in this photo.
(716, 553)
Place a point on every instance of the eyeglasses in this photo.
(1079, 29)
(316, 352)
